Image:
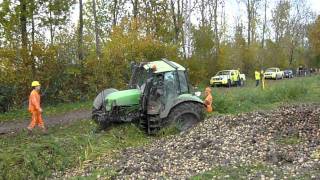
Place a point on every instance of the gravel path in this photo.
(14, 127)
(228, 141)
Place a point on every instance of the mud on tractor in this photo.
(159, 94)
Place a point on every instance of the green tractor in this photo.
(158, 95)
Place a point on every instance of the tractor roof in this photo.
(164, 66)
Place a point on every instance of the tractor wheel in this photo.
(186, 115)
(98, 118)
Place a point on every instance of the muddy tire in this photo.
(98, 118)
(186, 115)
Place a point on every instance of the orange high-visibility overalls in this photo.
(208, 100)
(34, 109)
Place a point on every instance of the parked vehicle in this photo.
(288, 73)
(228, 78)
(274, 73)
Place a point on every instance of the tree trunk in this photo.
(80, 33)
(183, 30)
(51, 28)
(216, 34)
(249, 21)
(114, 12)
(264, 23)
(175, 21)
(23, 24)
(33, 67)
(98, 51)
(135, 4)
(202, 13)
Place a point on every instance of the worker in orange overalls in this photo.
(208, 99)
(34, 108)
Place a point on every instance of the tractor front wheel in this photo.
(185, 115)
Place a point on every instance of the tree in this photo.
(54, 14)
(177, 18)
(135, 9)
(80, 33)
(280, 19)
(23, 24)
(96, 27)
(264, 23)
(314, 41)
(251, 6)
(203, 42)
(216, 34)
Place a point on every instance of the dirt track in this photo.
(69, 117)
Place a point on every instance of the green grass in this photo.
(237, 172)
(38, 156)
(242, 171)
(289, 140)
(22, 114)
(249, 98)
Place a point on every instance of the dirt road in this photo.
(69, 117)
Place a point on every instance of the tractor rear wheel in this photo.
(186, 115)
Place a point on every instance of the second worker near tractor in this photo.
(208, 100)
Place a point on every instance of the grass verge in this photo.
(38, 156)
(249, 98)
(238, 172)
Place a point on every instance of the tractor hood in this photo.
(123, 98)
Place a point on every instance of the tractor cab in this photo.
(160, 82)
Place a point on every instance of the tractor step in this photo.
(151, 124)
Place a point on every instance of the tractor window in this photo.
(171, 85)
(183, 82)
(139, 78)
